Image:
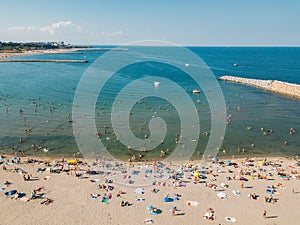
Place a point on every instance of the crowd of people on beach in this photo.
(178, 176)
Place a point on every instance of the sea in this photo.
(38, 102)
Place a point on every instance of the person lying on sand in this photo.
(47, 201)
(125, 203)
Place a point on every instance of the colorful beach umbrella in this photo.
(11, 192)
(72, 161)
(197, 174)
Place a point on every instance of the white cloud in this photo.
(69, 32)
(119, 33)
(49, 29)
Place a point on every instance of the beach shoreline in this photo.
(6, 55)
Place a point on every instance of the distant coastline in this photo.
(284, 88)
(13, 49)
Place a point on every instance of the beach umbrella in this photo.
(167, 199)
(11, 192)
(215, 159)
(196, 174)
(150, 207)
(72, 161)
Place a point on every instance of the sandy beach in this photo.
(222, 192)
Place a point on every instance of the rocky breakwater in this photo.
(284, 88)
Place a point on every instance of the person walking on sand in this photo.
(265, 214)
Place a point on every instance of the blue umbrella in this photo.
(11, 192)
(150, 207)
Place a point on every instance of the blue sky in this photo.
(194, 22)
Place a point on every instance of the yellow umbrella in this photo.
(196, 174)
(72, 161)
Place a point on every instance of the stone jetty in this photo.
(284, 88)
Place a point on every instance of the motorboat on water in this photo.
(196, 91)
(156, 83)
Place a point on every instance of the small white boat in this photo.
(235, 64)
(187, 65)
(196, 91)
(156, 83)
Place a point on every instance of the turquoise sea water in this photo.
(38, 88)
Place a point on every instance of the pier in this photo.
(284, 88)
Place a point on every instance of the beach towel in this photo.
(230, 219)
(158, 211)
(236, 192)
(47, 178)
(95, 180)
(221, 195)
(224, 185)
(139, 191)
(136, 172)
(167, 199)
(149, 221)
(150, 207)
(24, 199)
(192, 203)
